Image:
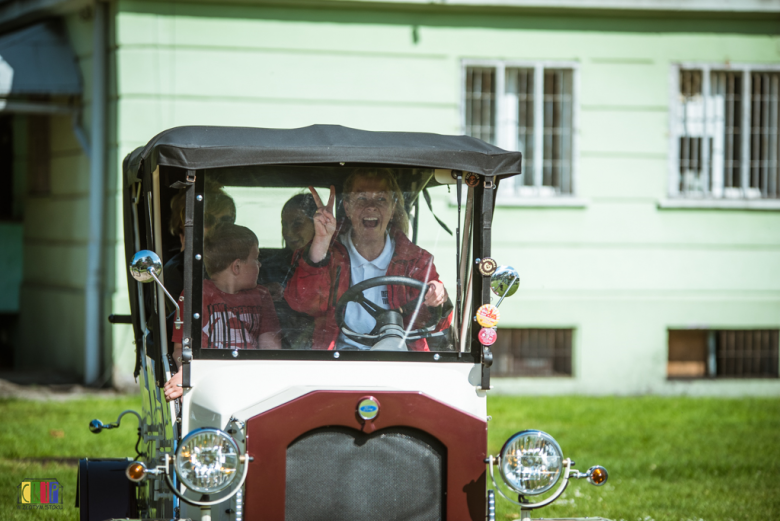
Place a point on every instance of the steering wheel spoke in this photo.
(370, 307)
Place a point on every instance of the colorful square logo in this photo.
(38, 494)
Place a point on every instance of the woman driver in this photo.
(371, 244)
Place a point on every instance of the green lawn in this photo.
(680, 459)
(32, 431)
(669, 458)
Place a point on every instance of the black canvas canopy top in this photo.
(200, 147)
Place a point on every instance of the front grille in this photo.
(338, 473)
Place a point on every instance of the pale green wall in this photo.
(55, 237)
(619, 270)
(51, 320)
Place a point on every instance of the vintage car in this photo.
(346, 377)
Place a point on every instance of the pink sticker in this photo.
(487, 336)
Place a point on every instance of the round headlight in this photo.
(207, 460)
(531, 462)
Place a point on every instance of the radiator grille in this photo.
(337, 473)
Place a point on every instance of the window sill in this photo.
(543, 202)
(720, 204)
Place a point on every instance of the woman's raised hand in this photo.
(324, 225)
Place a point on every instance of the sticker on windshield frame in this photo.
(488, 315)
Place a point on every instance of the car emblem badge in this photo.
(368, 408)
(488, 315)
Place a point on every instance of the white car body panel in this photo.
(222, 389)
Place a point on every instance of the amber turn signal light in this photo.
(597, 475)
(136, 471)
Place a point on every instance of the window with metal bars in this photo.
(726, 143)
(529, 108)
(532, 352)
(723, 353)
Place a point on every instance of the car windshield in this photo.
(324, 258)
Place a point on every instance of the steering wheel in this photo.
(389, 333)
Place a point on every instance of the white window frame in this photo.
(505, 130)
(715, 199)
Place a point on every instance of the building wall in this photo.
(619, 270)
(56, 234)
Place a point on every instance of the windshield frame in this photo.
(193, 292)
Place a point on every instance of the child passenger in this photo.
(236, 312)
(275, 273)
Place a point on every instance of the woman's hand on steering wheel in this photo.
(436, 294)
(324, 225)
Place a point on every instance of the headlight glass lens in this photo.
(531, 462)
(207, 460)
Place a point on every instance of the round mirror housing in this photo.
(505, 281)
(96, 426)
(142, 263)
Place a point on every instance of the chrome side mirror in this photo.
(96, 426)
(146, 266)
(504, 282)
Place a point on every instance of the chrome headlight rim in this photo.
(503, 460)
(179, 459)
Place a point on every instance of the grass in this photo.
(676, 459)
(45, 440)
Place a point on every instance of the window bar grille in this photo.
(725, 87)
(736, 130)
(707, 131)
(480, 103)
(499, 108)
(526, 119)
(547, 122)
(520, 87)
(755, 133)
(562, 354)
(745, 135)
(747, 354)
(727, 161)
(764, 134)
(557, 130)
(488, 105)
(764, 129)
(533, 352)
(773, 189)
(685, 80)
(567, 130)
(556, 178)
(470, 88)
(689, 88)
(538, 124)
(718, 135)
